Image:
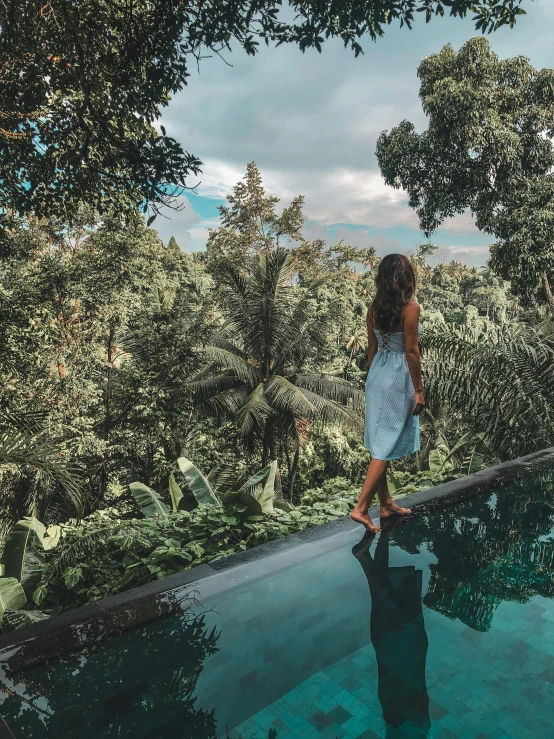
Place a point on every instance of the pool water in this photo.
(442, 626)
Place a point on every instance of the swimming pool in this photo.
(443, 626)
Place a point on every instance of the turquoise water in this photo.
(442, 626)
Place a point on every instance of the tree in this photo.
(488, 148)
(259, 369)
(83, 85)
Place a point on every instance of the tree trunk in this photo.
(278, 485)
(548, 291)
(108, 416)
(107, 421)
(293, 471)
(268, 449)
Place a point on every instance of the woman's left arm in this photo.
(411, 337)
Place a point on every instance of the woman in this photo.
(394, 391)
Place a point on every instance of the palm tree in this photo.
(258, 369)
(32, 462)
(501, 380)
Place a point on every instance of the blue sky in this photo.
(310, 122)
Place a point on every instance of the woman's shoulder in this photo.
(412, 308)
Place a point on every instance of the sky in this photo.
(311, 121)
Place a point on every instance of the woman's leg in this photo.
(376, 471)
(386, 506)
(376, 482)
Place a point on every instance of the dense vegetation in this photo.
(160, 409)
(187, 373)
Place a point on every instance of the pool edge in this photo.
(39, 643)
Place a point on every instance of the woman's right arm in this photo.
(411, 336)
(372, 344)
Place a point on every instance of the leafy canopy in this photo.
(488, 148)
(84, 83)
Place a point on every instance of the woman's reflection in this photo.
(398, 635)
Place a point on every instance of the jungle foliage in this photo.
(162, 409)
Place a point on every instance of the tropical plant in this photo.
(258, 363)
(502, 379)
(22, 568)
(254, 497)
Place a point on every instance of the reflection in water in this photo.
(495, 548)
(132, 688)
(397, 631)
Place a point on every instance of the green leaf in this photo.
(23, 555)
(393, 481)
(242, 503)
(175, 493)
(473, 462)
(255, 479)
(198, 484)
(436, 460)
(16, 619)
(12, 595)
(52, 537)
(266, 498)
(148, 500)
(40, 594)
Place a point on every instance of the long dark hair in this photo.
(396, 284)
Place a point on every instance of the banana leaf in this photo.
(436, 460)
(12, 595)
(23, 555)
(148, 500)
(198, 484)
(255, 479)
(266, 498)
(243, 500)
(175, 493)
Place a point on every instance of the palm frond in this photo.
(503, 379)
(255, 411)
(331, 413)
(333, 388)
(287, 398)
(240, 367)
(39, 453)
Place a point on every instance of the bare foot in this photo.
(365, 520)
(391, 509)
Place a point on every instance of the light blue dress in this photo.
(391, 430)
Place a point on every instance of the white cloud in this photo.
(311, 121)
(177, 223)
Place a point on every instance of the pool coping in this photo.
(72, 630)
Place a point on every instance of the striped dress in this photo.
(391, 430)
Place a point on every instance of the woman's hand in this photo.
(419, 404)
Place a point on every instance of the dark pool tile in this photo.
(368, 734)
(334, 731)
(350, 684)
(471, 635)
(307, 623)
(339, 715)
(436, 711)
(447, 734)
(320, 720)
